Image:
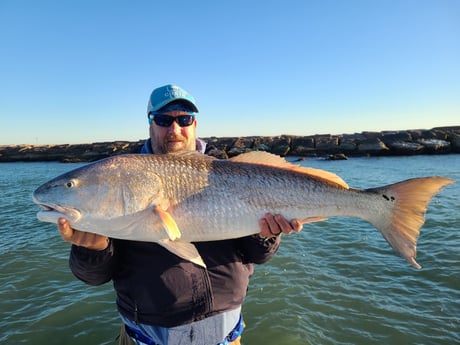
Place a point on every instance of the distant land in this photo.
(439, 140)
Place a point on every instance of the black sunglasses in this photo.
(163, 120)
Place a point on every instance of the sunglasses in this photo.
(163, 120)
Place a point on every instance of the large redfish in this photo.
(176, 199)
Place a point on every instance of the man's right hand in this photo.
(80, 238)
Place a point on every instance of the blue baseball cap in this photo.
(169, 93)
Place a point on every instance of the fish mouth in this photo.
(52, 212)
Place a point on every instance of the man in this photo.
(161, 298)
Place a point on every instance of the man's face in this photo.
(173, 138)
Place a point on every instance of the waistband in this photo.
(235, 333)
(138, 336)
(142, 339)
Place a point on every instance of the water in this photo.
(337, 282)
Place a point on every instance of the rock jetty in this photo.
(439, 140)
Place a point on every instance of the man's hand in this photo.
(80, 238)
(274, 225)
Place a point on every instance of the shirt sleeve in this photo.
(93, 267)
(258, 250)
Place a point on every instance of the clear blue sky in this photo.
(81, 71)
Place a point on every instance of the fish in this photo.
(180, 198)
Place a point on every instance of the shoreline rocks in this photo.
(439, 140)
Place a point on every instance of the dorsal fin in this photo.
(269, 159)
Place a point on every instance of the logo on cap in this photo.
(175, 92)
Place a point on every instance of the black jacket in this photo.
(156, 287)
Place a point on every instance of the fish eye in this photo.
(70, 184)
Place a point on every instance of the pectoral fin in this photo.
(168, 222)
(184, 250)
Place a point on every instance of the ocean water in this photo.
(336, 282)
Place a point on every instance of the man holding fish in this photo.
(163, 298)
(179, 232)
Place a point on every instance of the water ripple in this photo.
(337, 282)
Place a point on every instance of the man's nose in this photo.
(174, 128)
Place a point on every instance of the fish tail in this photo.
(406, 205)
